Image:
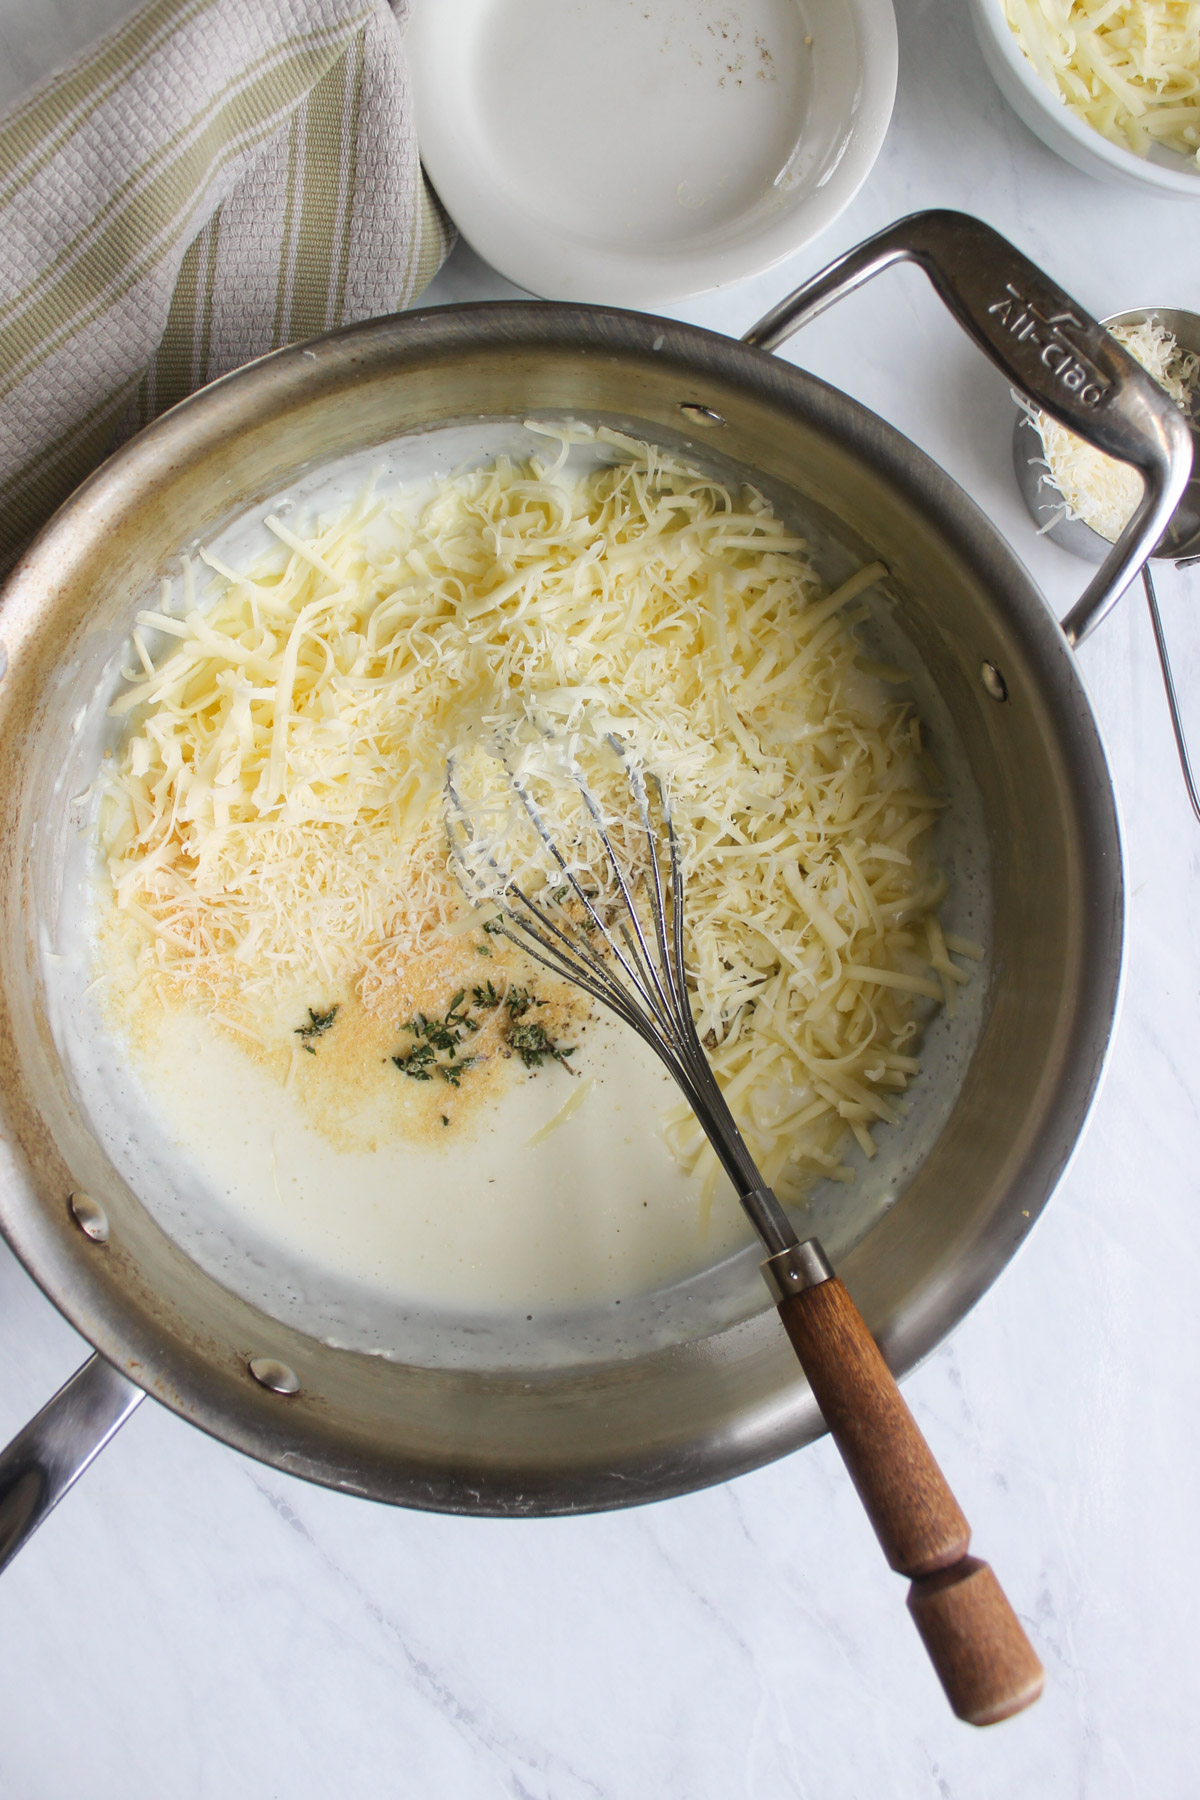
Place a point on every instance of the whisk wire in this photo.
(639, 966)
(643, 978)
(573, 960)
(580, 892)
(664, 1012)
(676, 977)
(577, 962)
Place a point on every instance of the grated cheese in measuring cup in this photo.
(1098, 489)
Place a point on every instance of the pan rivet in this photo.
(274, 1375)
(91, 1219)
(993, 681)
(701, 415)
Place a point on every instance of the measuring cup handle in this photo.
(1063, 361)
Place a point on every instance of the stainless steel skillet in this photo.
(716, 1392)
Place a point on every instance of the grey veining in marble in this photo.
(191, 1625)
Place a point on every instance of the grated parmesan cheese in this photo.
(274, 814)
(1128, 68)
(1098, 489)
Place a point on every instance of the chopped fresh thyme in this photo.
(439, 1041)
(494, 925)
(416, 1065)
(456, 1017)
(444, 1034)
(519, 1000)
(441, 1036)
(533, 1046)
(318, 1024)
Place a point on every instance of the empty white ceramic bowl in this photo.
(1041, 108)
(634, 152)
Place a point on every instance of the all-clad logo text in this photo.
(1047, 333)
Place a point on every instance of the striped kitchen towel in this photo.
(215, 178)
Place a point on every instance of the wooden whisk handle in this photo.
(975, 1641)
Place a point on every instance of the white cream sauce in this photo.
(596, 1211)
(409, 1250)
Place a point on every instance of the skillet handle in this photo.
(53, 1450)
(974, 1639)
(1063, 361)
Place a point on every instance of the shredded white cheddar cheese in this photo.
(1096, 488)
(1128, 68)
(275, 810)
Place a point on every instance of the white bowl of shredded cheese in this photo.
(1114, 90)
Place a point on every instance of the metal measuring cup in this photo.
(1180, 542)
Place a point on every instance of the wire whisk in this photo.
(585, 924)
(602, 905)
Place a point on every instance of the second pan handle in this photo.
(1062, 360)
(50, 1454)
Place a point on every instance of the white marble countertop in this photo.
(189, 1624)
